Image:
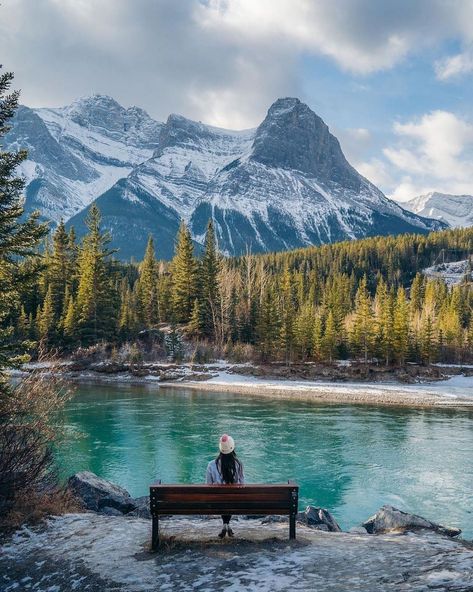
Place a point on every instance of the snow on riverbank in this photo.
(457, 390)
(89, 552)
(238, 378)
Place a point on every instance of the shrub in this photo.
(28, 430)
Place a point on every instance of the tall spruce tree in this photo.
(184, 276)
(96, 297)
(209, 271)
(60, 271)
(269, 326)
(362, 334)
(148, 286)
(19, 237)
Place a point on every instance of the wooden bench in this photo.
(252, 499)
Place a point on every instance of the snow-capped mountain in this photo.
(76, 153)
(454, 210)
(285, 184)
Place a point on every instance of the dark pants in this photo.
(226, 518)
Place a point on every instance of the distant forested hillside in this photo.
(364, 299)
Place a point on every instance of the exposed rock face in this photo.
(292, 136)
(389, 519)
(318, 518)
(99, 495)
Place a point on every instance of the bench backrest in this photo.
(224, 499)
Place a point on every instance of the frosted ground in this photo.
(89, 552)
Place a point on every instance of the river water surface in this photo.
(349, 459)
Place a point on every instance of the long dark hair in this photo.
(229, 467)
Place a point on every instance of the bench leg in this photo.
(155, 534)
(292, 526)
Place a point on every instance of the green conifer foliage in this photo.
(209, 272)
(18, 237)
(96, 300)
(184, 276)
(148, 286)
(362, 332)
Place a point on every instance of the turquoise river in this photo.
(349, 459)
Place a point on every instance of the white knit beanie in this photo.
(226, 444)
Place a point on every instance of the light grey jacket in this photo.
(213, 475)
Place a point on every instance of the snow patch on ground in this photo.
(451, 273)
(92, 552)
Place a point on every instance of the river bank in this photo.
(346, 383)
(106, 550)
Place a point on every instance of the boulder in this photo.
(142, 507)
(357, 530)
(108, 511)
(389, 519)
(319, 519)
(95, 493)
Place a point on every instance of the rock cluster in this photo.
(99, 495)
(389, 519)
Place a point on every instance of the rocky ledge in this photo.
(94, 551)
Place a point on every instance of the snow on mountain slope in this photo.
(285, 184)
(76, 153)
(161, 191)
(454, 210)
(295, 188)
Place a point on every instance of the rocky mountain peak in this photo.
(292, 136)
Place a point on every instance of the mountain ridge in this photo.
(282, 185)
(455, 210)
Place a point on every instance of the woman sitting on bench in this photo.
(225, 469)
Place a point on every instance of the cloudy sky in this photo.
(392, 78)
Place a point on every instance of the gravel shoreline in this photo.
(387, 395)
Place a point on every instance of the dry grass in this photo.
(29, 428)
(31, 507)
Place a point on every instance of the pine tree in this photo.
(304, 331)
(288, 306)
(268, 326)
(384, 307)
(148, 286)
(209, 271)
(362, 333)
(71, 322)
(22, 325)
(46, 322)
(60, 271)
(317, 347)
(184, 276)
(417, 292)
(19, 237)
(401, 327)
(428, 340)
(329, 339)
(195, 324)
(96, 299)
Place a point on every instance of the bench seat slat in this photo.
(223, 506)
(259, 511)
(218, 498)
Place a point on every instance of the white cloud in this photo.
(221, 61)
(454, 66)
(434, 152)
(376, 171)
(362, 36)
